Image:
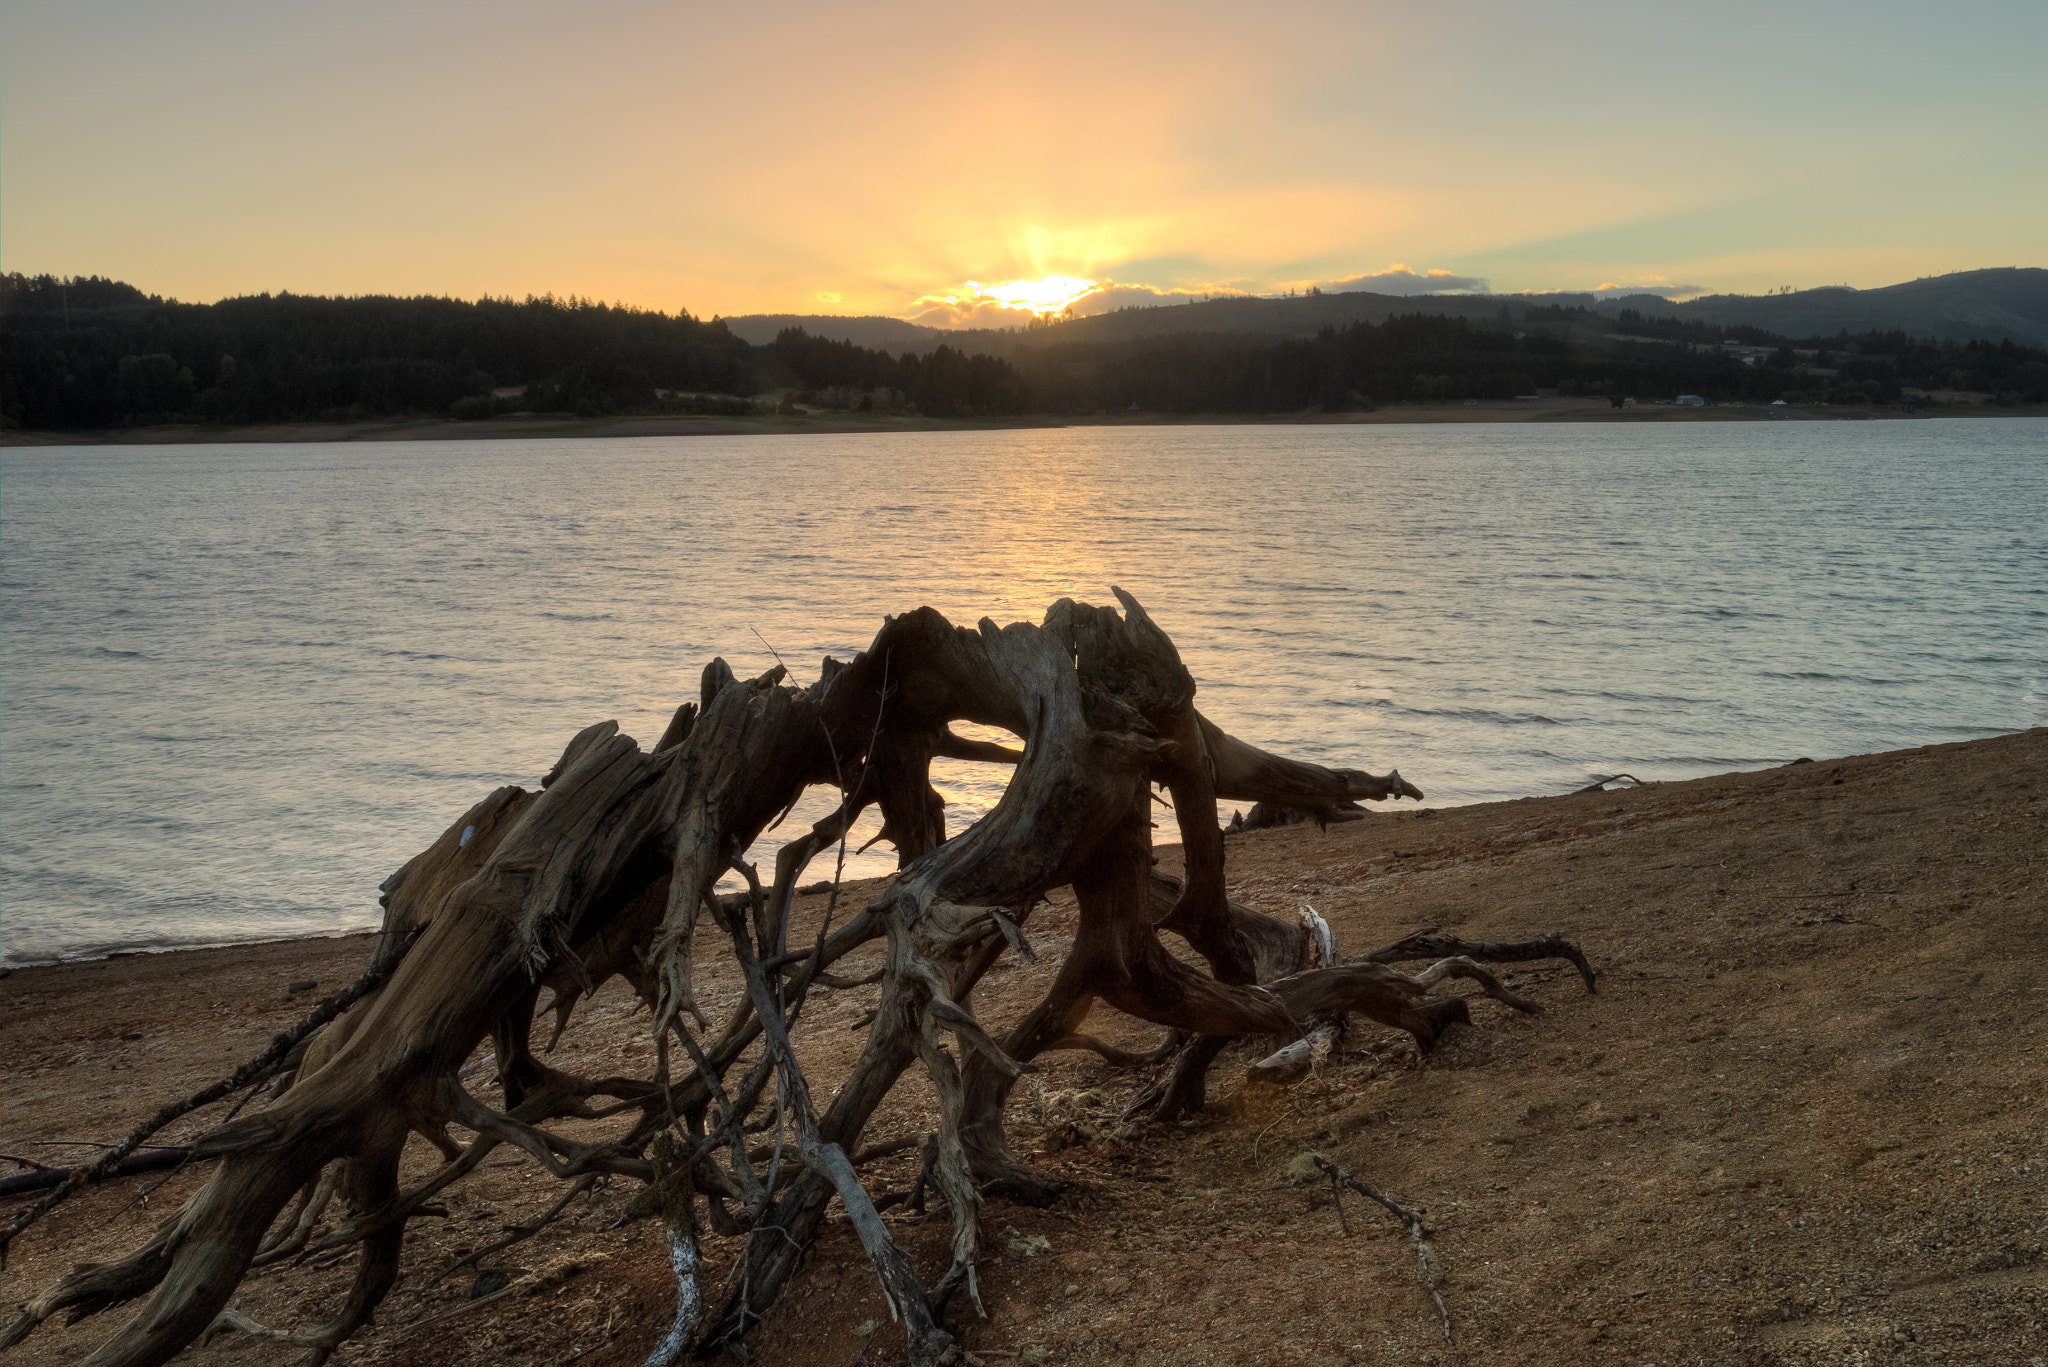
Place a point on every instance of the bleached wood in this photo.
(609, 870)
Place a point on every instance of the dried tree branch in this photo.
(1429, 943)
(1420, 1234)
(248, 1074)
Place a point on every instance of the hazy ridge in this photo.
(2004, 304)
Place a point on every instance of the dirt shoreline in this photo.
(549, 427)
(1802, 1121)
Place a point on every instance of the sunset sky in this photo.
(802, 157)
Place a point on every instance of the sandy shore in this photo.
(1802, 1121)
(552, 426)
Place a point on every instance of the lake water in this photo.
(244, 683)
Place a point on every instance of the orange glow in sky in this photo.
(1181, 151)
(1048, 295)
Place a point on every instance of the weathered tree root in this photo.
(1283, 960)
(1119, 1058)
(297, 1232)
(679, 1224)
(255, 1070)
(1427, 943)
(40, 1178)
(606, 870)
(519, 1234)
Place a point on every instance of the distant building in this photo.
(1690, 401)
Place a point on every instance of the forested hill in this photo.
(892, 335)
(2004, 305)
(2007, 304)
(1422, 357)
(92, 354)
(96, 353)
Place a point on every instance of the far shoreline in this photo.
(559, 426)
(9, 967)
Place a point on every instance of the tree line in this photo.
(90, 353)
(1428, 357)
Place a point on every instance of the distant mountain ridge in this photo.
(2005, 304)
(1997, 305)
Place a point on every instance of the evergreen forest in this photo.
(87, 354)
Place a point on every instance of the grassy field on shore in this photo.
(1800, 1122)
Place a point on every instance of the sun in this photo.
(1045, 296)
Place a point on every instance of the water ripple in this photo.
(245, 683)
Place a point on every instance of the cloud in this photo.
(978, 306)
(1112, 296)
(1658, 286)
(985, 306)
(947, 311)
(1399, 279)
(975, 308)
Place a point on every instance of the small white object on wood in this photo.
(1288, 1065)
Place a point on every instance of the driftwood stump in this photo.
(608, 869)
